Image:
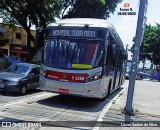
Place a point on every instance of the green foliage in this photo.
(30, 12)
(150, 44)
(89, 8)
(103, 1)
(41, 12)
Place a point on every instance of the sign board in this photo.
(76, 33)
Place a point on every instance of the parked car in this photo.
(143, 76)
(20, 77)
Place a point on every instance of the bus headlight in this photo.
(93, 77)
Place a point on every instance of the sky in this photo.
(126, 25)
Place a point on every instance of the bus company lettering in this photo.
(74, 33)
(70, 77)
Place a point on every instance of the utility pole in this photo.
(138, 39)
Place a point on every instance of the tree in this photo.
(150, 48)
(40, 13)
(89, 8)
(30, 12)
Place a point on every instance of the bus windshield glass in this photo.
(73, 54)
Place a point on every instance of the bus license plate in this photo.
(64, 91)
(1, 85)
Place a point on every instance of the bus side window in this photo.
(111, 56)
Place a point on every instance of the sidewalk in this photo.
(146, 105)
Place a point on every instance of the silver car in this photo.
(20, 77)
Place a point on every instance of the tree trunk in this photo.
(32, 50)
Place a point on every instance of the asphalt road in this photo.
(10, 97)
(45, 106)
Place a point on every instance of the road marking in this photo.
(25, 99)
(106, 108)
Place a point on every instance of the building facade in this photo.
(13, 41)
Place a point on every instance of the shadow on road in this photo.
(77, 103)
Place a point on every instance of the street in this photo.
(67, 59)
(45, 106)
(11, 97)
(145, 105)
(68, 112)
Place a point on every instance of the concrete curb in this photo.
(106, 108)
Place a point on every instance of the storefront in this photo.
(21, 52)
(3, 52)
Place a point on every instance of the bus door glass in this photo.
(110, 67)
(110, 59)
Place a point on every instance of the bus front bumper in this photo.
(90, 89)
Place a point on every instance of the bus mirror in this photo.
(39, 38)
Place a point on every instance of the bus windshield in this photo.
(73, 54)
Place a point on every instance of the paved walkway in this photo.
(146, 105)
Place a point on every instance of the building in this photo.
(13, 41)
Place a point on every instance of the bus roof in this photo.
(81, 22)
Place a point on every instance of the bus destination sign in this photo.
(73, 33)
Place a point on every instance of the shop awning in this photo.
(18, 51)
